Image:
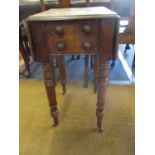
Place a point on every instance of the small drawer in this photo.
(72, 37)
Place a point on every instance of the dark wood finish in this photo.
(40, 42)
(64, 3)
(48, 69)
(24, 48)
(107, 41)
(101, 90)
(67, 3)
(58, 31)
(64, 43)
(121, 8)
(128, 36)
(106, 49)
(25, 57)
(42, 5)
(104, 37)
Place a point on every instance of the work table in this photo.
(74, 31)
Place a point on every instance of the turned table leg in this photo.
(101, 90)
(48, 69)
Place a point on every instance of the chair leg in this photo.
(78, 57)
(112, 64)
(133, 63)
(86, 59)
(57, 63)
(127, 47)
(25, 57)
(72, 58)
(91, 61)
(62, 73)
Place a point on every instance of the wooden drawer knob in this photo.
(59, 30)
(60, 46)
(87, 45)
(86, 29)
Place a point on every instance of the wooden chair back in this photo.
(128, 36)
(86, 3)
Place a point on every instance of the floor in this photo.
(122, 72)
(77, 133)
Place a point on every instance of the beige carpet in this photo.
(76, 133)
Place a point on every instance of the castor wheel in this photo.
(100, 128)
(55, 124)
(127, 47)
(112, 65)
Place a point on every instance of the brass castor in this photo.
(63, 89)
(55, 118)
(100, 128)
(112, 64)
(127, 47)
(55, 124)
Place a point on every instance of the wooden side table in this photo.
(74, 31)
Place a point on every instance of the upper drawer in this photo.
(72, 37)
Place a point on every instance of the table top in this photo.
(73, 13)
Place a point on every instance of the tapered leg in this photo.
(25, 56)
(48, 69)
(133, 63)
(95, 72)
(72, 58)
(127, 47)
(112, 64)
(91, 61)
(78, 57)
(56, 64)
(62, 73)
(86, 59)
(101, 90)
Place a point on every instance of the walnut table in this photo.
(71, 31)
